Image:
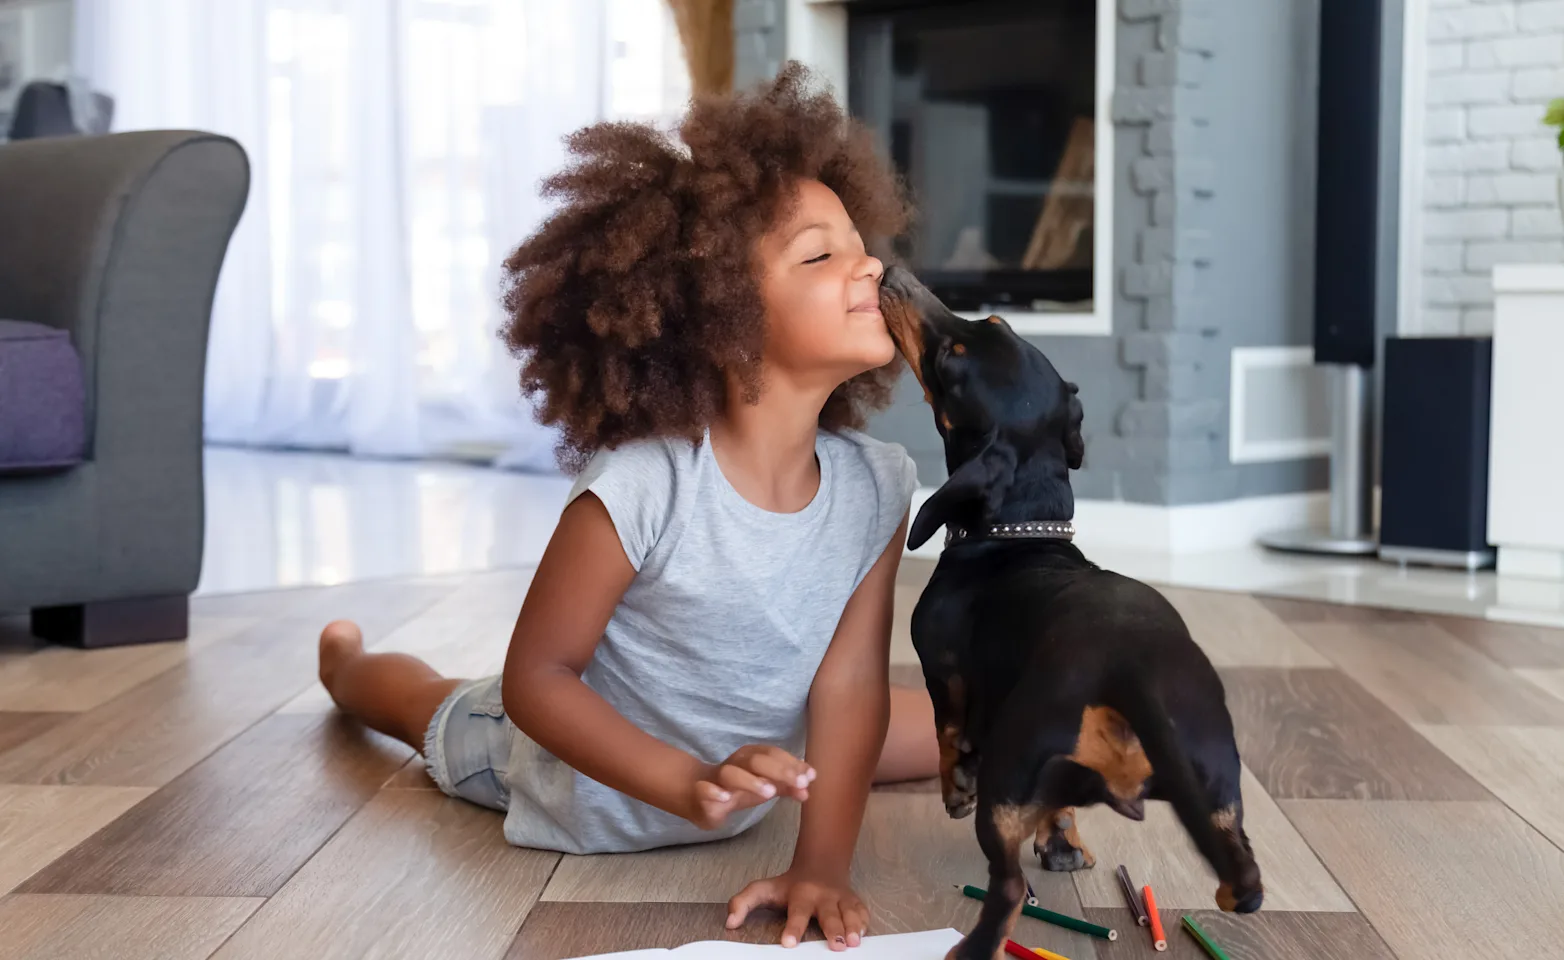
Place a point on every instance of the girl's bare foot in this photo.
(339, 642)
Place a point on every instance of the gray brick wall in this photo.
(1208, 255)
(1491, 181)
(1172, 429)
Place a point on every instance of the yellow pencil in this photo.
(1048, 954)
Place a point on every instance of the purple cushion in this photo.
(42, 401)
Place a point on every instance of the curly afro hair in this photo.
(636, 300)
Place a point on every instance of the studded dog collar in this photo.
(1031, 530)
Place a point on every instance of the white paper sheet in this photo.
(929, 945)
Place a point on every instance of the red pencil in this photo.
(1016, 950)
(1158, 939)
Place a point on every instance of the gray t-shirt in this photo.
(717, 640)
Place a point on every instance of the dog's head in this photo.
(1011, 424)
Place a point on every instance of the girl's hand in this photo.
(752, 776)
(843, 917)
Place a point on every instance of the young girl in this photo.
(703, 325)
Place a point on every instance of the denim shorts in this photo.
(467, 747)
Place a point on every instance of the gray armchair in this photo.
(117, 241)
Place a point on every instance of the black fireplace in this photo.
(988, 109)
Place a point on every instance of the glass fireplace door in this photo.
(988, 108)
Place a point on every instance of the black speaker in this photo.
(1347, 201)
(1346, 259)
(1434, 459)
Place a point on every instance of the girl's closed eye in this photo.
(820, 259)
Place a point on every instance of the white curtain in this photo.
(396, 146)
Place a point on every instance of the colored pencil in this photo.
(1131, 897)
(1016, 950)
(1031, 895)
(1048, 954)
(1158, 938)
(1201, 938)
(1048, 916)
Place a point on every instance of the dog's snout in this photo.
(902, 284)
(917, 304)
(895, 279)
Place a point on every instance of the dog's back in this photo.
(1044, 606)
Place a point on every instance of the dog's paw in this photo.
(961, 793)
(1245, 901)
(963, 779)
(960, 806)
(1062, 859)
(1058, 854)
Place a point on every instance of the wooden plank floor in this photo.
(203, 799)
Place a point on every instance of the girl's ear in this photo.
(971, 494)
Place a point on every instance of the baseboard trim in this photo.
(1531, 563)
(1191, 528)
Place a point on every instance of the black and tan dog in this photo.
(1056, 684)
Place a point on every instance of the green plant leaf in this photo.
(1555, 114)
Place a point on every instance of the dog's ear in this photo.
(974, 491)
(1074, 443)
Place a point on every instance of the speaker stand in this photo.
(1351, 527)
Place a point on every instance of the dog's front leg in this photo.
(958, 756)
(965, 779)
(958, 770)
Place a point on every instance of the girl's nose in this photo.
(872, 267)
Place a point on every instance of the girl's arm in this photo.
(849, 708)
(580, 580)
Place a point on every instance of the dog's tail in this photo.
(1175, 774)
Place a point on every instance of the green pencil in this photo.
(1200, 937)
(1048, 916)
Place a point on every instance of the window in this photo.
(459, 70)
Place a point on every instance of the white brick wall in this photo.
(1491, 169)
